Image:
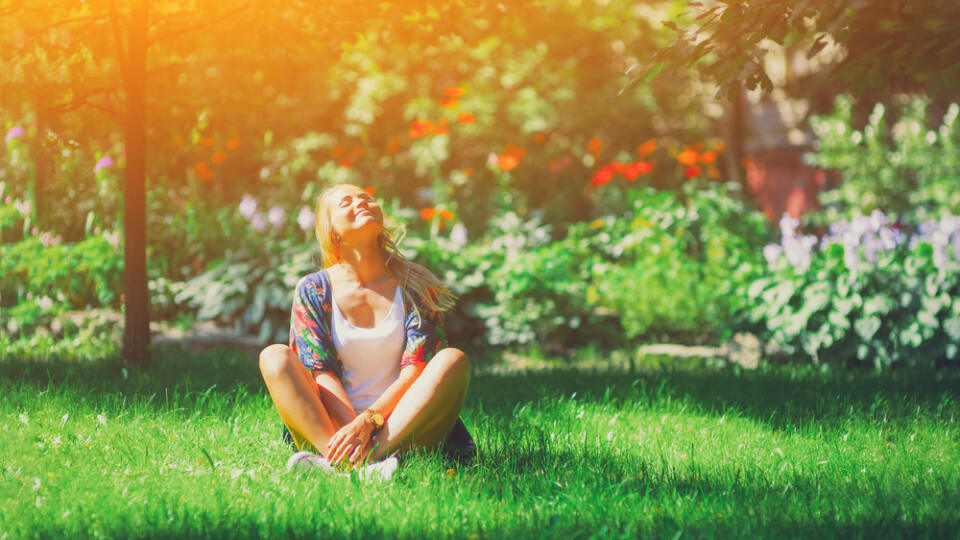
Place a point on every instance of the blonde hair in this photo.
(414, 279)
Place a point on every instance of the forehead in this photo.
(346, 191)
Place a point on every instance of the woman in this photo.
(368, 371)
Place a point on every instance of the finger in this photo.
(357, 452)
(341, 451)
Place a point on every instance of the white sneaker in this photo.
(308, 460)
(381, 470)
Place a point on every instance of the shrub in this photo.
(868, 295)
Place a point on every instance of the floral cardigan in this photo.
(310, 328)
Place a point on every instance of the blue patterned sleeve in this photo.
(310, 336)
(425, 336)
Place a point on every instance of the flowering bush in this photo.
(906, 170)
(865, 293)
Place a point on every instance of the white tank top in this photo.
(370, 356)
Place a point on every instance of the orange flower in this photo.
(370, 190)
(394, 145)
(427, 213)
(466, 118)
(355, 152)
(203, 170)
(708, 157)
(507, 162)
(218, 157)
(453, 92)
(233, 144)
(594, 146)
(688, 157)
(441, 127)
(419, 128)
(446, 214)
(468, 172)
(337, 151)
(206, 141)
(646, 148)
(514, 150)
(449, 103)
(692, 171)
(540, 137)
(345, 162)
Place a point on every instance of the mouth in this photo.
(363, 213)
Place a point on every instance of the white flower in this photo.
(458, 236)
(306, 218)
(258, 222)
(276, 216)
(248, 207)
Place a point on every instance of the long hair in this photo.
(416, 282)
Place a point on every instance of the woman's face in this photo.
(354, 214)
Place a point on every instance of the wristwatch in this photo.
(376, 417)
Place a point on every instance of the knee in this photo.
(453, 362)
(275, 359)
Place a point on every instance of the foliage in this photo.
(905, 170)
(886, 45)
(192, 448)
(868, 296)
(674, 262)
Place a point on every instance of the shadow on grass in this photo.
(778, 397)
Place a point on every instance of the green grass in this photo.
(192, 447)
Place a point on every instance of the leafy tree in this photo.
(891, 45)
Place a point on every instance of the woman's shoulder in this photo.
(317, 283)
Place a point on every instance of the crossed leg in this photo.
(422, 418)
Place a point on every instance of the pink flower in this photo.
(103, 163)
(14, 132)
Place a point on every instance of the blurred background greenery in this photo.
(566, 204)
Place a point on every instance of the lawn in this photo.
(192, 447)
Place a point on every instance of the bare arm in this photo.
(353, 439)
(334, 397)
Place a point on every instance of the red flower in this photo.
(203, 170)
(602, 176)
(427, 213)
(218, 157)
(466, 118)
(692, 171)
(636, 169)
(449, 103)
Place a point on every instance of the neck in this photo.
(365, 261)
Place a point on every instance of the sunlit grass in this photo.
(192, 447)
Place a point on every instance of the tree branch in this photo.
(203, 25)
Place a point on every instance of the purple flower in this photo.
(248, 207)
(14, 132)
(927, 227)
(797, 250)
(103, 163)
(306, 219)
(276, 216)
(258, 221)
(772, 253)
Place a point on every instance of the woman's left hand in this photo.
(352, 441)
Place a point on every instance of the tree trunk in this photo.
(136, 334)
